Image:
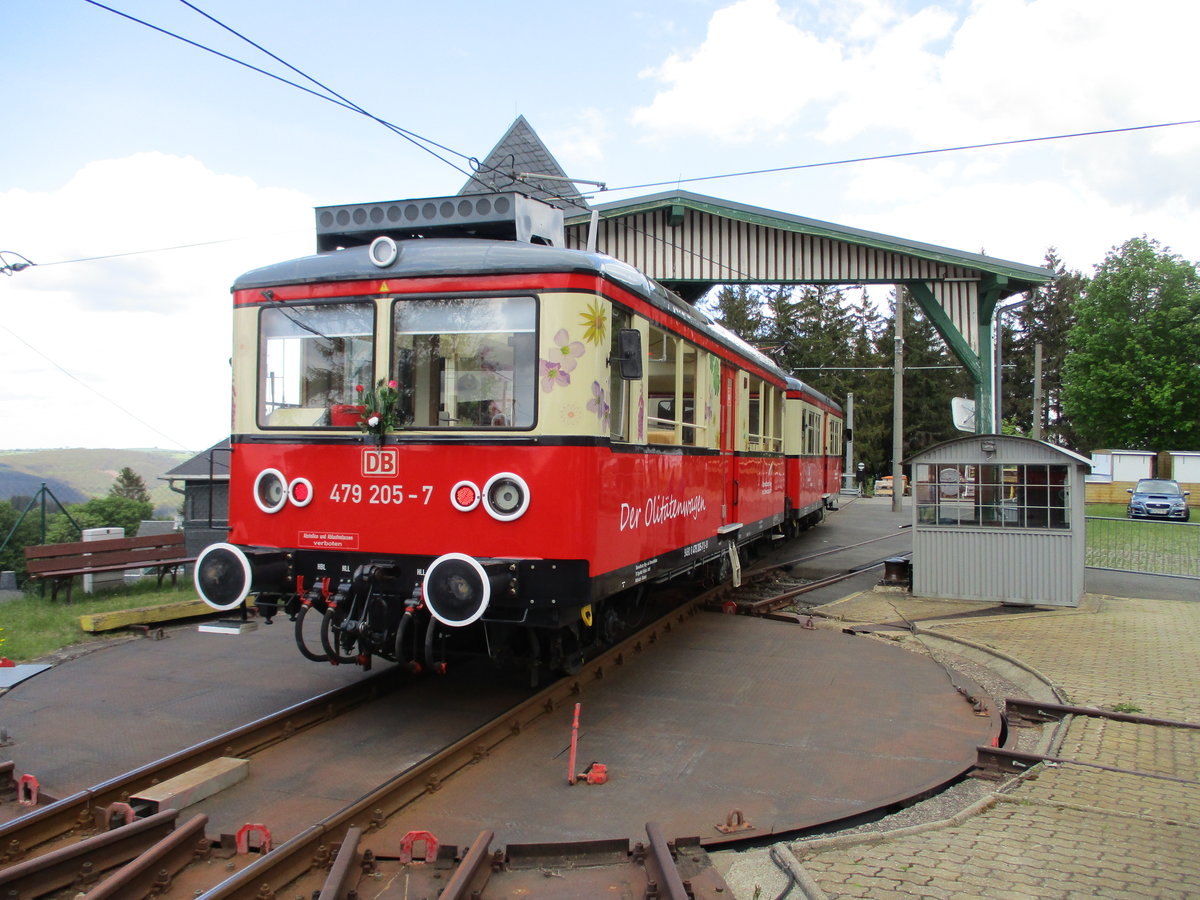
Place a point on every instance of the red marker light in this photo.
(465, 495)
(300, 491)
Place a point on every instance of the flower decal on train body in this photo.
(552, 374)
(556, 371)
(599, 405)
(595, 323)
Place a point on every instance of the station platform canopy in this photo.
(691, 243)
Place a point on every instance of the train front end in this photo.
(416, 416)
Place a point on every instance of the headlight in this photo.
(506, 496)
(270, 490)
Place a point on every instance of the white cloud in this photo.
(996, 68)
(581, 143)
(869, 77)
(754, 73)
(144, 339)
(1016, 221)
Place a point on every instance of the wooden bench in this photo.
(60, 563)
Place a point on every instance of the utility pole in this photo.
(1036, 431)
(898, 405)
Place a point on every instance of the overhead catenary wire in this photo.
(330, 97)
(905, 154)
(422, 142)
(91, 388)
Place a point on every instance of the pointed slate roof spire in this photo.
(522, 151)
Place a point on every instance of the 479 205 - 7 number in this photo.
(386, 494)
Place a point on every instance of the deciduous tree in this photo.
(1046, 319)
(1132, 377)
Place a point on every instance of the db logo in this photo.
(381, 463)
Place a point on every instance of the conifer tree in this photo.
(1046, 318)
(130, 486)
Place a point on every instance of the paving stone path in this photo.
(1061, 831)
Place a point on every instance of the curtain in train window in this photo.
(466, 362)
(311, 358)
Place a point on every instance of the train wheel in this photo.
(566, 653)
(308, 634)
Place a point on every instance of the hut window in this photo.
(1026, 496)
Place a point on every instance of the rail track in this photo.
(126, 856)
(168, 854)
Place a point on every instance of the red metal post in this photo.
(574, 741)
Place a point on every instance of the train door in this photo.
(729, 420)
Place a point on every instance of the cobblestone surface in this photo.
(1064, 830)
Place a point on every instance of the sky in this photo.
(183, 169)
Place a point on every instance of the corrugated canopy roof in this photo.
(1021, 276)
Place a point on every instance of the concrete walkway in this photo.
(1061, 830)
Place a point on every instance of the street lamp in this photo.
(998, 398)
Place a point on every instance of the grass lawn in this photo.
(1107, 510)
(31, 626)
(1165, 548)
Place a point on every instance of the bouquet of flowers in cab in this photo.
(379, 414)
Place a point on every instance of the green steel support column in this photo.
(986, 381)
(955, 339)
(991, 289)
(978, 365)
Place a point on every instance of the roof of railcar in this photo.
(795, 384)
(464, 257)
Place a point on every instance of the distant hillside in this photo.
(80, 474)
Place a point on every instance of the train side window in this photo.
(755, 416)
(311, 359)
(811, 435)
(690, 386)
(765, 416)
(777, 429)
(465, 362)
(677, 377)
(662, 367)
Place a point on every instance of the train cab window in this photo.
(311, 359)
(466, 362)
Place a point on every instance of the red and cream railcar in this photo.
(546, 430)
(813, 445)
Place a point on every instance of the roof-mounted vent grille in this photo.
(503, 216)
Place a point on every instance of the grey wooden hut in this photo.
(999, 518)
(205, 488)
